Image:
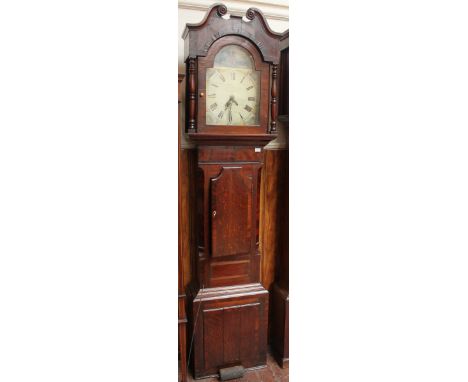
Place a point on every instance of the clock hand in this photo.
(229, 102)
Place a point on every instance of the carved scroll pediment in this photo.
(199, 37)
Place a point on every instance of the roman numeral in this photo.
(211, 95)
(214, 85)
(233, 76)
(250, 87)
(248, 108)
(220, 115)
(243, 78)
(213, 106)
(251, 98)
(221, 76)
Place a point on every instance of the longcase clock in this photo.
(231, 111)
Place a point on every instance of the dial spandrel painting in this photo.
(233, 89)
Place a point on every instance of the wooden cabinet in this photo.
(280, 292)
(181, 289)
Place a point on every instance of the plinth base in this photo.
(230, 328)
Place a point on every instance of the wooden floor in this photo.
(271, 373)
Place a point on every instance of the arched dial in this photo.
(232, 96)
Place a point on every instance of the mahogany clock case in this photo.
(227, 226)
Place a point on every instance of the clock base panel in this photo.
(231, 326)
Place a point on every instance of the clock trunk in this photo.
(230, 307)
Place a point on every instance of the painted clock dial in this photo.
(232, 89)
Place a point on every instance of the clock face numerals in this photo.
(233, 96)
